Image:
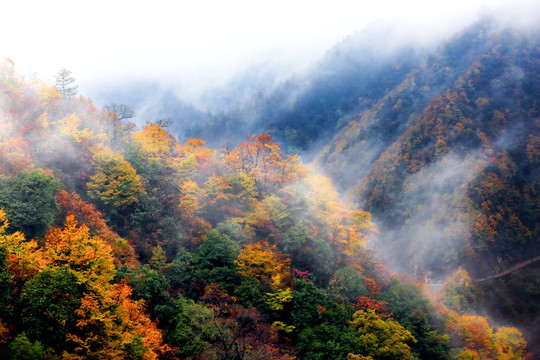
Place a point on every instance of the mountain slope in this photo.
(308, 109)
(448, 163)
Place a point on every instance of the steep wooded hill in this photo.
(448, 163)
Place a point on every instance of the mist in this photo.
(191, 48)
(434, 229)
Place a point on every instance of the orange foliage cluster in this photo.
(107, 319)
(86, 213)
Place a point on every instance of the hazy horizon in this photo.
(196, 46)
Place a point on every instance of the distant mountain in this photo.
(307, 109)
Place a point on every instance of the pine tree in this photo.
(64, 83)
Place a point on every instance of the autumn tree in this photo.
(238, 332)
(510, 343)
(72, 204)
(154, 141)
(24, 258)
(346, 230)
(476, 339)
(459, 291)
(262, 261)
(381, 338)
(267, 217)
(260, 157)
(16, 155)
(115, 182)
(109, 324)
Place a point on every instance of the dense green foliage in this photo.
(28, 200)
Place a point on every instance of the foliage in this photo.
(380, 338)
(29, 203)
(116, 182)
(459, 292)
(49, 301)
(24, 349)
(261, 261)
(171, 250)
(418, 316)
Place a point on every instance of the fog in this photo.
(193, 46)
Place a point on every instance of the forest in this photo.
(120, 242)
(440, 145)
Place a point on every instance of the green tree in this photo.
(184, 325)
(214, 261)
(308, 304)
(415, 313)
(333, 338)
(325, 342)
(5, 286)
(147, 284)
(29, 203)
(24, 349)
(295, 237)
(348, 283)
(48, 302)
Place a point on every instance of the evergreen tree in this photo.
(64, 83)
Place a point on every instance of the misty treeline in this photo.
(118, 242)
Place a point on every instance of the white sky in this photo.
(206, 40)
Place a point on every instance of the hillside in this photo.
(308, 109)
(119, 242)
(447, 162)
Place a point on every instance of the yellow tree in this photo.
(261, 261)
(86, 213)
(115, 182)
(510, 344)
(381, 338)
(478, 340)
(195, 161)
(266, 216)
(345, 229)
(154, 141)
